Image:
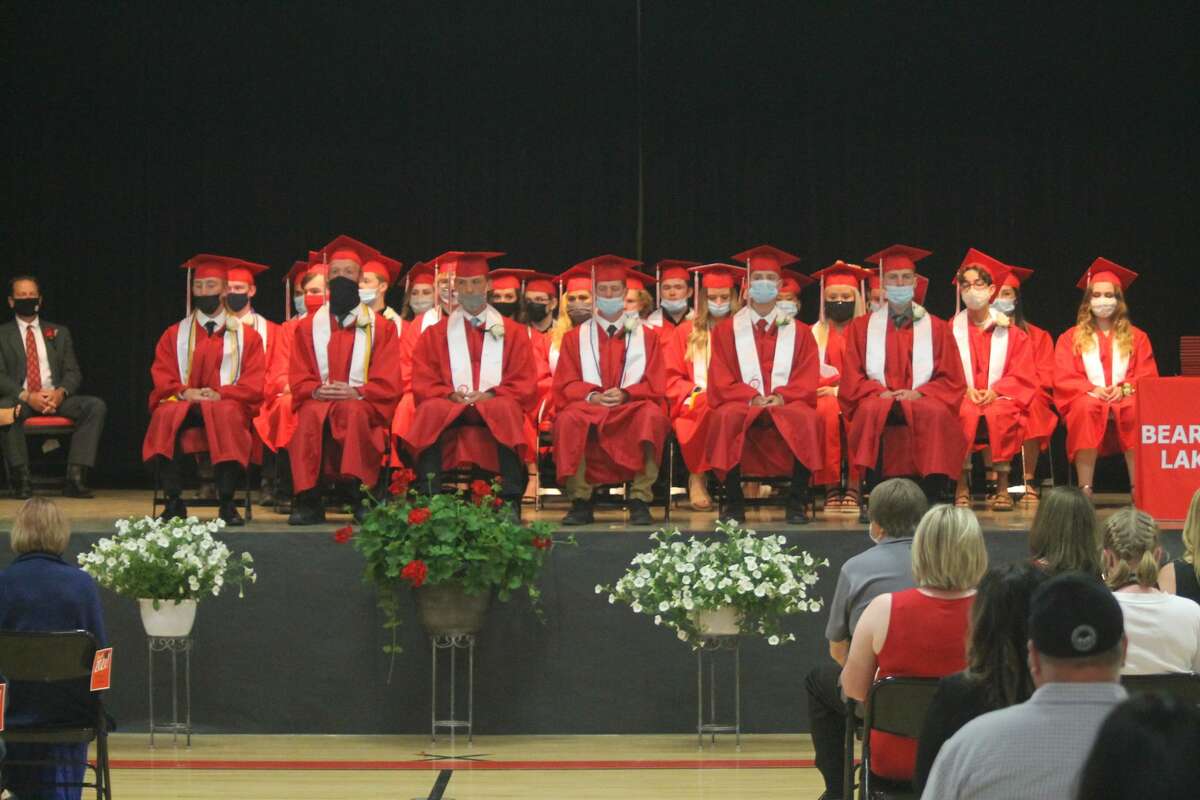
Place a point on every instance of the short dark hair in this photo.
(897, 505)
(12, 282)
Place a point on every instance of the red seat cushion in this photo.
(48, 422)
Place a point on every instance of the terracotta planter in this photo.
(447, 610)
(724, 621)
(171, 618)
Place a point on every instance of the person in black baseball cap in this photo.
(1074, 618)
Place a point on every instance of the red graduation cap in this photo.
(673, 269)
(346, 248)
(387, 268)
(794, 281)
(610, 268)
(420, 272)
(921, 289)
(576, 279)
(717, 276)
(1102, 270)
(996, 269)
(637, 284)
(465, 263)
(510, 277)
(245, 271)
(898, 256)
(206, 265)
(540, 282)
(766, 258)
(839, 273)
(296, 273)
(1017, 276)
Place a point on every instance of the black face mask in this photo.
(537, 311)
(839, 310)
(506, 309)
(206, 304)
(26, 306)
(237, 302)
(580, 314)
(343, 295)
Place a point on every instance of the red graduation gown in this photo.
(503, 415)
(613, 438)
(830, 411)
(687, 407)
(935, 442)
(358, 428)
(405, 409)
(1041, 420)
(226, 421)
(1086, 416)
(732, 417)
(1016, 386)
(276, 419)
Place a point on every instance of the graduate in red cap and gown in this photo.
(422, 312)
(345, 380)
(762, 388)
(379, 273)
(609, 388)
(999, 371)
(1040, 418)
(474, 381)
(208, 373)
(674, 290)
(841, 303)
(1097, 364)
(901, 367)
(687, 354)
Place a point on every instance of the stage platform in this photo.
(301, 653)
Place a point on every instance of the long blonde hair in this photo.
(704, 322)
(1191, 534)
(1132, 535)
(821, 329)
(1085, 324)
(562, 323)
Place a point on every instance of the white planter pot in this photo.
(719, 621)
(172, 618)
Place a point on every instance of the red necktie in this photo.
(33, 366)
(762, 326)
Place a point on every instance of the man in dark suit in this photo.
(40, 376)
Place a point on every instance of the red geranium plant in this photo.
(467, 538)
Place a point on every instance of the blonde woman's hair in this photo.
(1131, 535)
(562, 323)
(948, 550)
(645, 302)
(703, 322)
(1085, 324)
(821, 329)
(1191, 534)
(40, 527)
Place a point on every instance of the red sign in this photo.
(102, 670)
(1168, 449)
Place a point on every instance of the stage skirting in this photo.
(301, 653)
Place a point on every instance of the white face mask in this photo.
(1104, 307)
(1004, 306)
(367, 295)
(718, 309)
(421, 304)
(975, 299)
(787, 308)
(674, 306)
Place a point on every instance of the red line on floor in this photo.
(435, 765)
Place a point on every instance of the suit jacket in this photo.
(60, 352)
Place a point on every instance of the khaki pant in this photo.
(641, 488)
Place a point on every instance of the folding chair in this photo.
(1183, 686)
(46, 429)
(49, 658)
(606, 495)
(897, 706)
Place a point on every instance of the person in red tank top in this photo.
(919, 632)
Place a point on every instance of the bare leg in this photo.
(962, 492)
(698, 491)
(1002, 500)
(1085, 469)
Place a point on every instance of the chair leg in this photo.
(249, 505)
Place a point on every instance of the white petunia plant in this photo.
(759, 576)
(175, 560)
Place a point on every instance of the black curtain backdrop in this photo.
(141, 133)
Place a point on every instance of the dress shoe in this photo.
(228, 512)
(307, 509)
(581, 513)
(22, 483)
(639, 513)
(797, 511)
(76, 485)
(174, 508)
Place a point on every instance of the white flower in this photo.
(683, 637)
(639, 582)
(599, 589)
(657, 619)
(664, 606)
(773, 640)
(232, 323)
(637, 607)
(193, 583)
(612, 598)
(688, 604)
(918, 311)
(760, 590)
(497, 331)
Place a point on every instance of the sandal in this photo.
(1001, 502)
(962, 500)
(833, 499)
(850, 501)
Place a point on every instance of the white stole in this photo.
(922, 355)
(998, 354)
(430, 318)
(231, 349)
(260, 327)
(747, 352)
(389, 313)
(827, 369)
(589, 354)
(491, 361)
(1095, 369)
(364, 340)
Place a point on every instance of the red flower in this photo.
(342, 535)
(415, 572)
(497, 502)
(49, 334)
(418, 515)
(543, 542)
(401, 479)
(480, 488)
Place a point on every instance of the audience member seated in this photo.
(1146, 748)
(920, 632)
(997, 673)
(1065, 535)
(885, 567)
(39, 376)
(1163, 629)
(1035, 749)
(41, 592)
(1181, 576)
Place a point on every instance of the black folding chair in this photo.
(1183, 686)
(49, 658)
(897, 706)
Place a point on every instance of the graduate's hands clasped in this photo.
(609, 398)
(335, 390)
(200, 395)
(901, 394)
(768, 400)
(470, 398)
